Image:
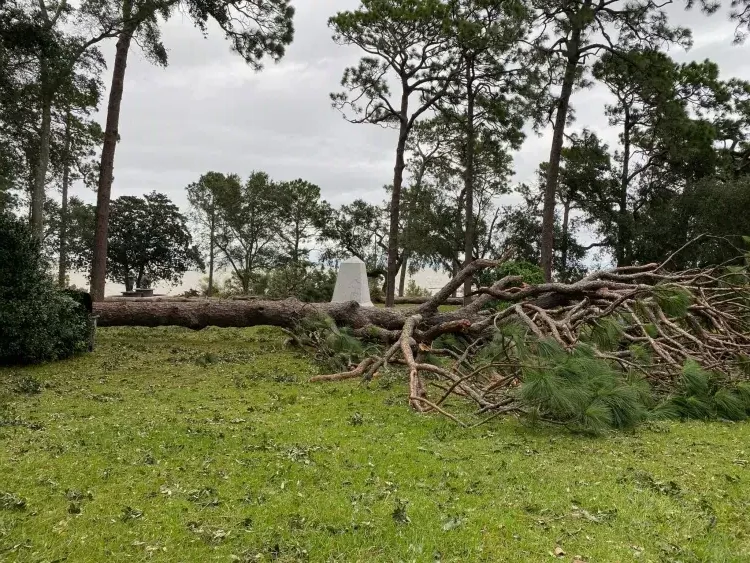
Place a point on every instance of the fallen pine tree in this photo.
(588, 354)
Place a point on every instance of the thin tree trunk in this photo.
(469, 179)
(622, 227)
(564, 242)
(63, 250)
(106, 172)
(40, 177)
(398, 177)
(402, 281)
(555, 154)
(211, 251)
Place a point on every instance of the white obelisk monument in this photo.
(351, 283)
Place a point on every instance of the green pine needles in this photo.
(577, 389)
(706, 396)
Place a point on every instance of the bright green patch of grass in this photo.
(171, 445)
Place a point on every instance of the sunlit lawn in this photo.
(171, 445)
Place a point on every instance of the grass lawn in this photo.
(179, 446)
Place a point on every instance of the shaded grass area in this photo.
(171, 445)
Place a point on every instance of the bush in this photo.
(306, 283)
(530, 273)
(37, 321)
(413, 290)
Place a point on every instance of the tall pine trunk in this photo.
(469, 179)
(106, 172)
(398, 177)
(555, 154)
(564, 242)
(211, 253)
(402, 280)
(40, 176)
(623, 235)
(62, 270)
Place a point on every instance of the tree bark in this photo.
(40, 177)
(564, 242)
(228, 313)
(469, 178)
(62, 270)
(402, 281)
(211, 252)
(398, 177)
(553, 171)
(622, 228)
(106, 172)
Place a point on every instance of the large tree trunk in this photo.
(62, 270)
(40, 176)
(398, 177)
(106, 172)
(230, 313)
(469, 178)
(555, 154)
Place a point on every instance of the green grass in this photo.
(170, 445)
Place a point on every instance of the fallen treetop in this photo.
(622, 314)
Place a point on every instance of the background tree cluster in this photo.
(50, 83)
(462, 82)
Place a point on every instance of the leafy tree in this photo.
(301, 214)
(149, 242)
(255, 29)
(487, 101)
(520, 228)
(706, 207)
(586, 184)
(571, 34)
(358, 229)
(303, 281)
(204, 196)
(405, 41)
(248, 230)
(51, 69)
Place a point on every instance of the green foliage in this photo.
(531, 274)
(413, 290)
(306, 283)
(148, 242)
(37, 321)
(705, 396)
(335, 348)
(673, 300)
(584, 392)
(606, 333)
(108, 410)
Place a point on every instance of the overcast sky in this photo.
(209, 111)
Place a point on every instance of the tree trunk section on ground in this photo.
(227, 313)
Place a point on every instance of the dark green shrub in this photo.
(530, 273)
(306, 283)
(37, 321)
